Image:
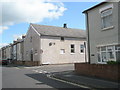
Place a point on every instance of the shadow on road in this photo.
(43, 79)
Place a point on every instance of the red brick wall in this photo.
(111, 72)
(29, 63)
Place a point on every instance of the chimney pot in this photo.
(65, 25)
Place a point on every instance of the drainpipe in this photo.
(88, 39)
(85, 52)
(16, 51)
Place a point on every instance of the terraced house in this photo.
(54, 45)
(103, 32)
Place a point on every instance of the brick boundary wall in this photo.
(29, 63)
(110, 72)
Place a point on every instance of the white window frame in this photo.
(72, 49)
(62, 51)
(82, 49)
(103, 27)
(113, 50)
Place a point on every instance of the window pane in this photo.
(72, 51)
(103, 56)
(103, 48)
(106, 18)
(110, 56)
(107, 21)
(110, 48)
(62, 38)
(118, 55)
(98, 49)
(81, 48)
(99, 57)
(72, 48)
(117, 47)
(106, 13)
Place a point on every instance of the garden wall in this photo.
(111, 72)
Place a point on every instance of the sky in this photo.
(18, 14)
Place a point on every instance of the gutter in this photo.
(88, 39)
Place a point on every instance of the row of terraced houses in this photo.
(56, 45)
(47, 45)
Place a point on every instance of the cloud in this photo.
(17, 36)
(2, 28)
(3, 44)
(30, 11)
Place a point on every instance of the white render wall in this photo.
(19, 54)
(8, 52)
(99, 37)
(32, 46)
(51, 54)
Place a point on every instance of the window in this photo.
(117, 53)
(62, 38)
(72, 48)
(31, 39)
(81, 48)
(106, 17)
(62, 51)
(35, 51)
(108, 53)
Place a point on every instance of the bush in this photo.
(113, 62)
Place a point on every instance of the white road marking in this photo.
(32, 67)
(17, 68)
(40, 71)
(49, 76)
(82, 86)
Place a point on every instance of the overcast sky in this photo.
(17, 14)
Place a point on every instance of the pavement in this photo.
(86, 81)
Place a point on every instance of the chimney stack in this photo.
(23, 36)
(65, 25)
(14, 41)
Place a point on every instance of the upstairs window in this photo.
(81, 48)
(106, 18)
(62, 38)
(31, 39)
(72, 48)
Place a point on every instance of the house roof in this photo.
(59, 31)
(94, 7)
(106, 1)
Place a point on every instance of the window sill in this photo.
(72, 53)
(82, 53)
(62, 53)
(102, 63)
(111, 27)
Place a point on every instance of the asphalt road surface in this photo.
(34, 77)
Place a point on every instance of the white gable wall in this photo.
(32, 45)
(51, 54)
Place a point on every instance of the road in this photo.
(34, 77)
